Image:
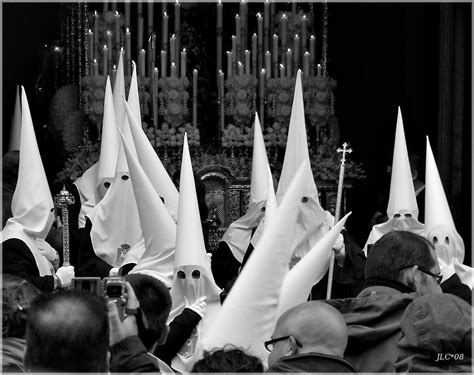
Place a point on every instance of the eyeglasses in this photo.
(270, 344)
(438, 277)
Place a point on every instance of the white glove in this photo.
(65, 274)
(447, 270)
(199, 306)
(114, 271)
(339, 249)
(48, 252)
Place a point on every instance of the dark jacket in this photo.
(373, 323)
(19, 261)
(130, 356)
(311, 362)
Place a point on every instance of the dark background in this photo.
(382, 56)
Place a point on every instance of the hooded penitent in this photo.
(308, 271)
(310, 225)
(239, 232)
(147, 156)
(159, 229)
(15, 129)
(439, 223)
(402, 208)
(32, 204)
(115, 220)
(249, 313)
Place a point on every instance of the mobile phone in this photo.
(92, 285)
(114, 290)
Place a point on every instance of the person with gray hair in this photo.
(310, 337)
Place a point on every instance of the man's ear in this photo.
(410, 276)
(293, 347)
(164, 334)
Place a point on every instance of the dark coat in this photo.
(311, 362)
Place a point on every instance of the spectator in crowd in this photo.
(228, 359)
(436, 336)
(17, 295)
(310, 337)
(400, 266)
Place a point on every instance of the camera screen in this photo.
(114, 291)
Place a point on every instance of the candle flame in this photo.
(282, 66)
(263, 70)
(165, 15)
(173, 64)
(304, 17)
(289, 50)
(128, 30)
(259, 15)
(116, 13)
(115, 67)
(95, 61)
(90, 31)
(105, 47)
(312, 37)
(296, 36)
(267, 53)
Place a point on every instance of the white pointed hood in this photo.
(120, 117)
(402, 191)
(15, 129)
(87, 183)
(309, 270)
(109, 145)
(439, 223)
(402, 208)
(159, 229)
(249, 313)
(239, 233)
(32, 204)
(147, 156)
(311, 222)
(190, 252)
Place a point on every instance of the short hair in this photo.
(17, 295)
(67, 331)
(155, 302)
(396, 250)
(228, 359)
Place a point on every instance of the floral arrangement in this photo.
(173, 100)
(173, 137)
(326, 168)
(280, 99)
(234, 136)
(275, 135)
(241, 99)
(77, 164)
(319, 99)
(93, 95)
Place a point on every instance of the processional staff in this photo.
(344, 150)
(63, 200)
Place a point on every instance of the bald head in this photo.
(316, 326)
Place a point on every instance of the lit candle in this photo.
(266, 24)
(105, 61)
(254, 55)
(260, 30)
(155, 98)
(127, 13)
(173, 49)
(96, 67)
(243, 24)
(306, 64)
(312, 48)
(240, 68)
(91, 45)
(173, 69)
(234, 47)
(275, 48)
(247, 62)
(141, 63)
(304, 30)
(164, 39)
(109, 44)
(288, 62)
(177, 25)
(183, 63)
(140, 32)
(96, 28)
(297, 51)
(128, 51)
(163, 63)
(222, 96)
(114, 74)
(262, 96)
(150, 16)
(282, 71)
(117, 30)
(238, 35)
(268, 57)
(319, 70)
(229, 64)
(284, 22)
(219, 36)
(195, 81)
